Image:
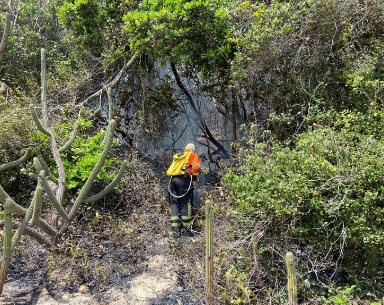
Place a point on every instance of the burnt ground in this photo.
(119, 252)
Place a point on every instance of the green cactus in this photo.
(37, 165)
(110, 114)
(71, 139)
(15, 163)
(32, 213)
(44, 88)
(59, 208)
(110, 104)
(110, 186)
(93, 115)
(7, 248)
(45, 167)
(37, 206)
(87, 186)
(209, 252)
(37, 121)
(27, 217)
(292, 283)
(22, 211)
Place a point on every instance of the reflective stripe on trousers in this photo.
(181, 207)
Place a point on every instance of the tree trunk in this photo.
(205, 128)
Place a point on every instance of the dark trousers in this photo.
(181, 215)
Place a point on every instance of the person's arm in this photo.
(194, 164)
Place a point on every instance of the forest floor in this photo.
(119, 258)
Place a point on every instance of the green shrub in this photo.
(81, 157)
(323, 192)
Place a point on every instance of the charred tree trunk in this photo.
(204, 126)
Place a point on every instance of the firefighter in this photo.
(183, 171)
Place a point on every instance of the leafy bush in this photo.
(296, 55)
(81, 157)
(322, 196)
(190, 32)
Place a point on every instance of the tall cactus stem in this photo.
(60, 167)
(37, 205)
(44, 88)
(93, 115)
(6, 33)
(110, 186)
(27, 217)
(110, 104)
(37, 165)
(87, 186)
(37, 121)
(45, 167)
(71, 139)
(22, 211)
(7, 248)
(52, 140)
(110, 115)
(17, 162)
(208, 253)
(59, 208)
(292, 282)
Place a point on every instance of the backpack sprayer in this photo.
(176, 169)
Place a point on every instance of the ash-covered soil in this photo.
(119, 252)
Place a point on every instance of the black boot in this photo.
(188, 233)
(176, 232)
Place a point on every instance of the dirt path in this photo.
(162, 275)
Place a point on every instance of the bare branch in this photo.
(110, 84)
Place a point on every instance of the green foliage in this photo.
(190, 32)
(294, 56)
(82, 156)
(86, 20)
(347, 296)
(21, 65)
(325, 189)
(95, 26)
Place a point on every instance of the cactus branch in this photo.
(7, 248)
(37, 121)
(110, 104)
(44, 89)
(37, 206)
(52, 196)
(37, 165)
(292, 283)
(17, 162)
(93, 115)
(24, 222)
(35, 234)
(52, 140)
(110, 115)
(110, 186)
(22, 211)
(47, 170)
(208, 253)
(4, 39)
(71, 139)
(87, 186)
(60, 168)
